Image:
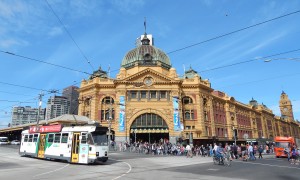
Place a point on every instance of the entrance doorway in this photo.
(149, 137)
(149, 127)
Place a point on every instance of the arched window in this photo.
(187, 100)
(149, 120)
(108, 100)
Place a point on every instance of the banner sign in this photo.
(122, 114)
(44, 129)
(176, 119)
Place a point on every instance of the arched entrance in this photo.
(149, 127)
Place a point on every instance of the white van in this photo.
(4, 140)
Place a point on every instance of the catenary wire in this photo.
(232, 32)
(70, 35)
(40, 61)
(247, 61)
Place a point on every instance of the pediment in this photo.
(140, 77)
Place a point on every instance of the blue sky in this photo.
(105, 30)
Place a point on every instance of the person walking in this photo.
(260, 151)
(287, 152)
(189, 151)
(250, 152)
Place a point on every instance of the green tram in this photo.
(74, 144)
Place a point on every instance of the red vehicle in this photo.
(282, 143)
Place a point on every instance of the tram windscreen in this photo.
(100, 138)
(282, 144)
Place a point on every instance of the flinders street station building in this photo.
(148, 101)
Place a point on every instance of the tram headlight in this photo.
(97, 154)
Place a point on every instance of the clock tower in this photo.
(285, 106)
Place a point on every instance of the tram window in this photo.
(64, 138)
(35, 137)
(50, 137)
(83, 138)
(90, 139)
(57, 138)
(30, 138)
(26, 138)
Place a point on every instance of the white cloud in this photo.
(207, 2)
(265, 42)
(7, 43)
(128, 6)
(55, 31)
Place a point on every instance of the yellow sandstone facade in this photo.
(148, 101)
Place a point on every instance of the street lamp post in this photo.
(109, 125)
(135, 136)
(234, 134)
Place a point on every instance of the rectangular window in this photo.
(57, 138)
(35, 137)
(83, 138)
(133, 94)
(152, 94)
(143, 94)
(192, 114)
(50, 138)
(30, 138)
(64, 138)
(102, 114)
(26, 138)
(163, 94)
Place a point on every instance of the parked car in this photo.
(16, 142)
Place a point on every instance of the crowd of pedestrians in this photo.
(242, 151)
(245, 152)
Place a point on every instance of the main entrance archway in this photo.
(149, 127)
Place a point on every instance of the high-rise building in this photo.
(25, 115)
(72, 94)
(57, 106)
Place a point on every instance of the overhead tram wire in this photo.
(230, 33)
(251, 60)
(27, 87)
(260, 80)
(40, 61)
(226, 34)
(70, 35)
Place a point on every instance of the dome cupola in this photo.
(146, 55)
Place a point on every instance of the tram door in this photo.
(75, 148)
(41, 149)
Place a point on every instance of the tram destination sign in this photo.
(51, 128)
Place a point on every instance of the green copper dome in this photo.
(147, 55)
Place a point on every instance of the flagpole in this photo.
(145, 25)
